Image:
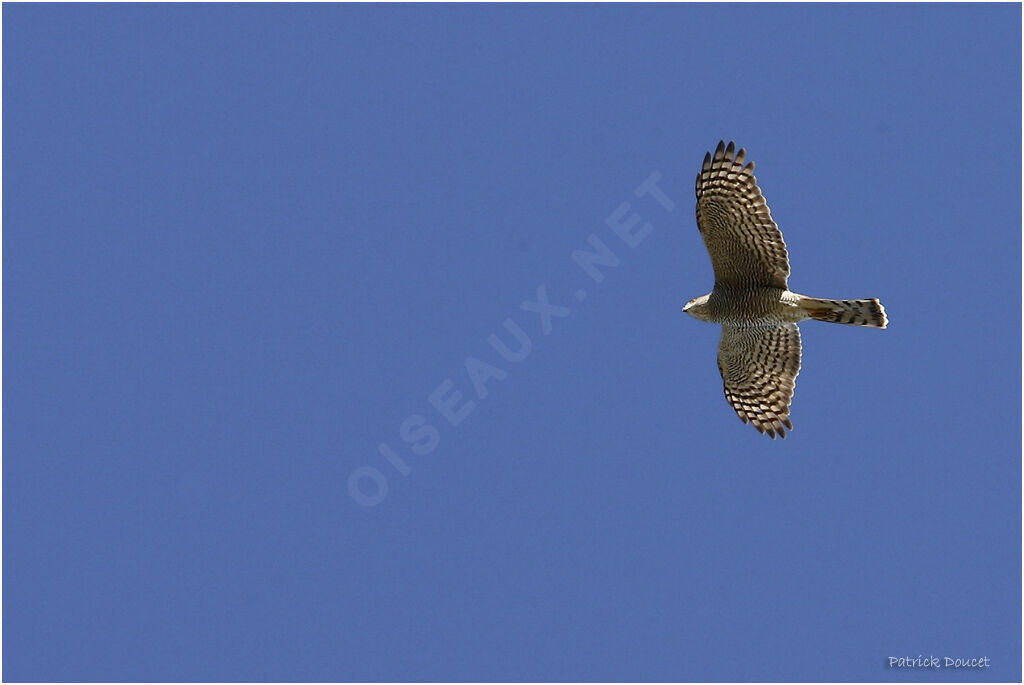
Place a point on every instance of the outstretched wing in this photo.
(745, 245)
(759, 365)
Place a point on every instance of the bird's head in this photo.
(698, 307)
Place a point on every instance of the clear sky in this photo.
(245, 246)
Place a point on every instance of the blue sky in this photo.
(245, 245)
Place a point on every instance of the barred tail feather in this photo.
(854, 312)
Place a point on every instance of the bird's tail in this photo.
(854, 312)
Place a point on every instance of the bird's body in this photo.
(752, 305)
(759, 354)
(765, 305)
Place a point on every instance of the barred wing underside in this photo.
(745, 245)
(759, 366)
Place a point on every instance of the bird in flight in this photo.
(759, 353)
